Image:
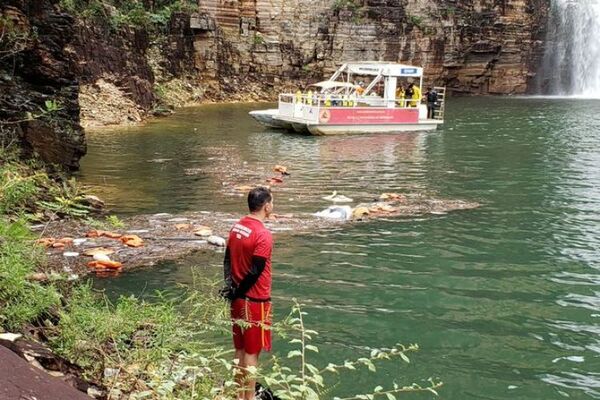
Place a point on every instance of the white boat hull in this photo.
(312, 121)
(320, 130)
(266, 117)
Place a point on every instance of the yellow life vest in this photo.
(352, 101)
(298, 96)
(344, 101)
(327, 100)
(309, 97)
(416, 97)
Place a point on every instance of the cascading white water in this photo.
(571, 63)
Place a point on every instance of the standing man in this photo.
(432, 98)
(247, 267)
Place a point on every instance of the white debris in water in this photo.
(161, 215)
(180, 219)
(336, 212)
(139, 231)
(512, 387)
(70, 254)
(578, 359)
(217, 241)
(101, 257)
(79, 242)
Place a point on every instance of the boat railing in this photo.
(288, 102)
(438, 112)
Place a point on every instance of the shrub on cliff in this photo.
(136, 13)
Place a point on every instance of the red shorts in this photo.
(255, 335)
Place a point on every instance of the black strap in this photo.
(255, 300)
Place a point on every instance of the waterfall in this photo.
(571, 63)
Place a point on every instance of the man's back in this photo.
(249, 238)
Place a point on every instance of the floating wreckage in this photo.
(338, 198)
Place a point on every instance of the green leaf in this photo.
(294, 353)
(312, 348)
(378, 389)
(390, 396)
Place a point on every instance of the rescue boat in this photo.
(343, 104)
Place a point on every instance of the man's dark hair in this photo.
(258, 197)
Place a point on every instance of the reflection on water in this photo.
(503, 300)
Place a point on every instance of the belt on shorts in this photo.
(255, 300)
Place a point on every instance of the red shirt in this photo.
(249, 237)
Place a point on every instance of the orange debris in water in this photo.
(132, 240)
(55, 243)
(47, 242)
(392, 197)
(105, 265)
(281, 169)
(94, 234)
(274, 180)
(111, 235)
(98, 233)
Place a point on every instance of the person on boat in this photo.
(247, 272)
(298, 96)
(360, 89)
(408, 93)
(309, 97)
(416, 96)
(432, 98)
(400, 96)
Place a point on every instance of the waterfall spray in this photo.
(571, 63)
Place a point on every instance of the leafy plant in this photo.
(350, 5)
(13, 39)
(257, 39)
(66, 200)
(21, 300)
(115, 222)
(415, 20)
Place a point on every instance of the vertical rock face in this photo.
(38, 87)
(477, 46)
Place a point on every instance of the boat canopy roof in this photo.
(376, 68)
(333, 84)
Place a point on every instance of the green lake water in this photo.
(504, 300)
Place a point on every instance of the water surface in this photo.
(504, 300)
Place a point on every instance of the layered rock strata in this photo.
(478, 47)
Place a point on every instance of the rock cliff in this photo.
(242, 50)
(39, 90)
(472, 46)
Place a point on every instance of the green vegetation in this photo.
(13, 39)
(137, 13)
(350, 5)
(169, 348)
(115, 222)
(27, 190)
(257, 39)
(21, 300)
(415, 20)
